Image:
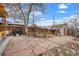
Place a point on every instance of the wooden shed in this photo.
(60, 29)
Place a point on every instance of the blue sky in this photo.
(61, 11)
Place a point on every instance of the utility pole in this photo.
(33, 16)
(54, 19)
(77, 17)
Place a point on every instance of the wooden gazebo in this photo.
(3, 12)
(3, 15)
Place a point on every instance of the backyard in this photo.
(31, 46)
(36, 29)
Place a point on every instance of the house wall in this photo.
(61, 31)
(64, 31)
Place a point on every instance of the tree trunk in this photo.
(22, 13)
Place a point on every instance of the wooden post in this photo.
(5, 26)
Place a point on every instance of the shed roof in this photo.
(58, 26)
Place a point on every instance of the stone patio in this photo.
(29, 46)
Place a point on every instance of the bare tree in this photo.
(34, 7)
(25, 14)
(73, 21)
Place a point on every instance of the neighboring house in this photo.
(48, 32)
(11, 26)
(77, 29)
(61, 28)
(38, 31)
(77, 32)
